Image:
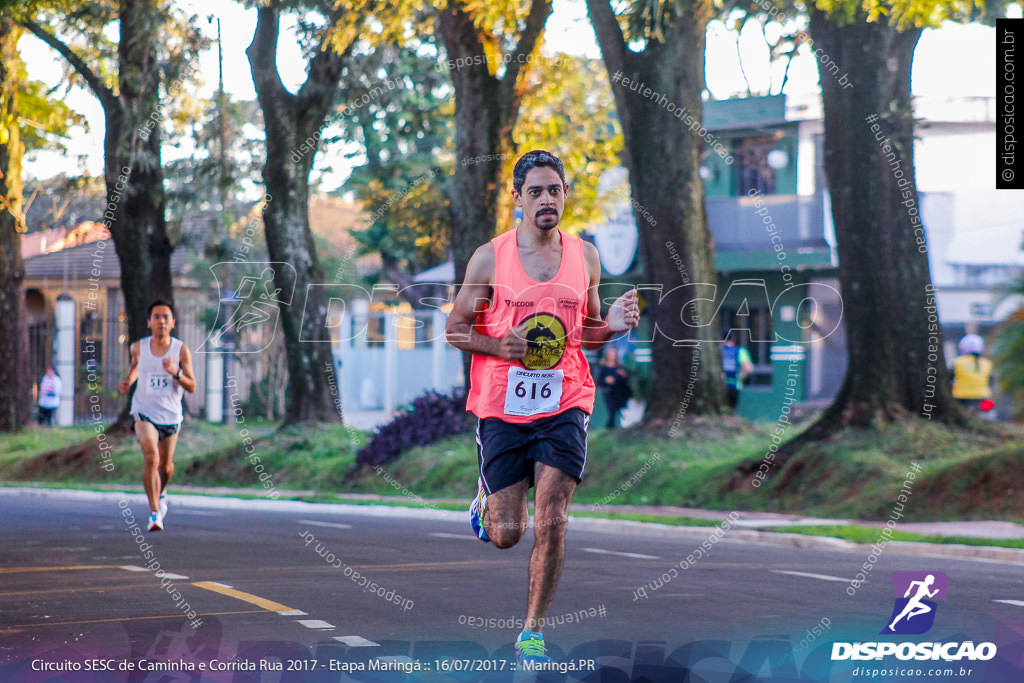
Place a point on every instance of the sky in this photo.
(953, 61)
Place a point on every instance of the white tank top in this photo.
(158, 394)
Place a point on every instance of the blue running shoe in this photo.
(530, 650)
(476, 512)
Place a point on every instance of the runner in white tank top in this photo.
(157, 398)
(163, 364)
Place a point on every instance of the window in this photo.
(752, 169)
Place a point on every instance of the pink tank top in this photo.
(553, 376)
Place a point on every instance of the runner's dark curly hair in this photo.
(535, 159)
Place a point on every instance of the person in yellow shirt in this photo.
(972, 374)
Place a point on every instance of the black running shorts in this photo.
(507, 452)
(162, 431)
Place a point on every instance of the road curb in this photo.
(732, 536)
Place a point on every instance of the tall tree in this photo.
(23, 104)
(488, 68)
(132, 108)
(14, 348)
(658, 98)
(293, 124)
(406, 137)
(489, 47)
(883, 259)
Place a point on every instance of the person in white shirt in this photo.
(163, 364)
(49, 396)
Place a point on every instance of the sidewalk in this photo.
(751, 528)
(753, 521)
(767, 520)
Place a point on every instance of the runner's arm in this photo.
(624, 314)
(473, 299)
(188, 378)
(133, 370)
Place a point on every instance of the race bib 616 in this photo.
(531, 392)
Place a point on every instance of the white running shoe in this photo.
(162, 505)
(156, 521)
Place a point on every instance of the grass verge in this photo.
(857, 474)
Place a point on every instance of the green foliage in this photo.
(81, 26)
(568, 109)
(866, 534)
(788, 28)
(200, 179)
(30, 442)
(648, 19)
(858, 476)
(397, 105)
(406, 136)
(45, 120)
(903, 14)
(1008, 351)
(499, 24)
(88, 30)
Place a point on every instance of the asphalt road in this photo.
(323, 589)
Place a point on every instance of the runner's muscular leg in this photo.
(551, 513)
(166, 449)
(147, 435)
(506, 516)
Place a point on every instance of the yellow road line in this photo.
(11, 629)
(17, 570)
(268, 605)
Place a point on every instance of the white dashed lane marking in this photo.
(315, 623)
(822, 577)
(637, 556)
(466, 536)
(356, 641)
(169, 575)
(332, 525)
(1015, 603)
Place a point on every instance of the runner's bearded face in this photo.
(543, 197)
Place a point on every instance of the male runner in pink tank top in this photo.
(164, 364)
(528, 306)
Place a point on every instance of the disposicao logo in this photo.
(913, 613)
(916, 593)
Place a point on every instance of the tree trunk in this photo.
(133, 174)
(14, 348)
(896, 364)
(486, 110)
(657, 93)
(291, 121)
(138, 228)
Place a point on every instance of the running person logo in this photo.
(916, 593)
(545, 341)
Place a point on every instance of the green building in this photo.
(774, 251)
